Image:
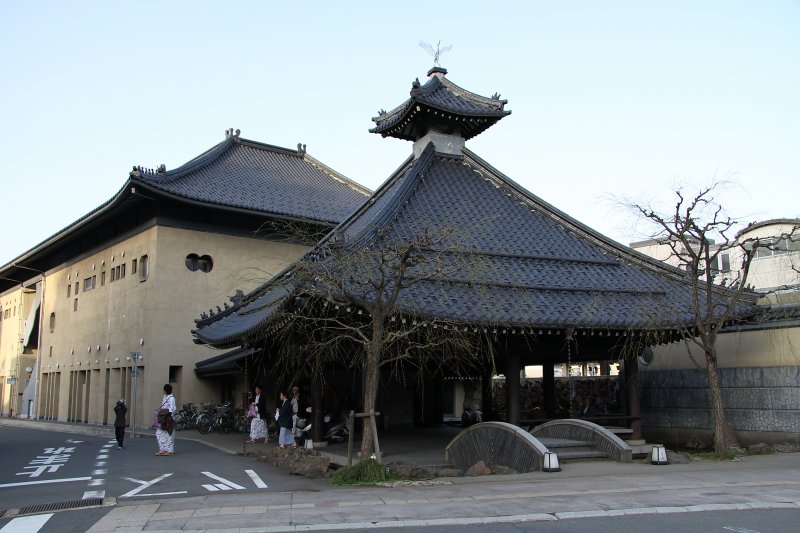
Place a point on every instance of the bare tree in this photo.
(690, 231)
(350, 307)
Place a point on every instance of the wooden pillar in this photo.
(632, 395)
(486, 394)
(549, 389)
(317, 429)
(512, 387)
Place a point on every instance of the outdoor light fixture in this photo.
(658, 455)
(551, 462)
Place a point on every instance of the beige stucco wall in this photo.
(15, 358)
(771, 347)
(89, 368)
(10, 330)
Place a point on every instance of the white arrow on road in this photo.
(223, 485)
(145, 484)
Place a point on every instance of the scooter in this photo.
(337, 432)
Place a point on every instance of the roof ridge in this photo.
(389, 211)
(605, 242)
(200, 161)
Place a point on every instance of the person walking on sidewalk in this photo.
(258, 425)
(286, 437)
(119, 422)
(165, 434)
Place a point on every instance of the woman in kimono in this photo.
(258, 425)
(166, 439)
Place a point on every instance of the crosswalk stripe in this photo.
(257, 480)
(93, 494)
(26, 524)
(231, 484)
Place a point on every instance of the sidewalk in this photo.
(580, 490)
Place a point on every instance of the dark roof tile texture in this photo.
(511, 259)
(257, 177)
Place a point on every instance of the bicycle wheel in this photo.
(204, 424)
(180, 421)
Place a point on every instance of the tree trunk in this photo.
(371, 379)
(723, 434)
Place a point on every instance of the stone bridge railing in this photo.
(496, 443)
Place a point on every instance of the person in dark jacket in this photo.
(286, 437)
(119, 422)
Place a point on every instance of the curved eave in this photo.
(110, 205)
(402, 125)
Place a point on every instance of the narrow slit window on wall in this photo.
(69, 290)
(76, 288)
(75, 305)
(52, 327)
(144, 267)
(113, 275)
(102, 278)
(122, 270)
(134, 263)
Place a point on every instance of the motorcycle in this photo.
(332, 431)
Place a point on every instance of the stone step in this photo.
(551, 443)
(620, 432)
(582, 455)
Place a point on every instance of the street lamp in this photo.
(135, 358)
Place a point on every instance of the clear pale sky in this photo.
(609, 99)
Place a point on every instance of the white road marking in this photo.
(74, 441)
(27, 524)
(100, 463)
(739, 530)
(231, 484)
(99, 472)
(211, 488)
(96, 482)
(146, 484)
(93, 494)
(103, 456)
(257, 480)
(43, 482)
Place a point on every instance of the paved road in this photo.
(41, 467)
(704, 496)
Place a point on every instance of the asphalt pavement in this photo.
(580, 490)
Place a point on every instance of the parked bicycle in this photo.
(186, 418)
(222, 418)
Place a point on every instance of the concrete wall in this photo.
(760, 377)
(86, 364)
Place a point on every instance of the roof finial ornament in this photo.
(301, 149)
(232, 133)
(435, 53)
